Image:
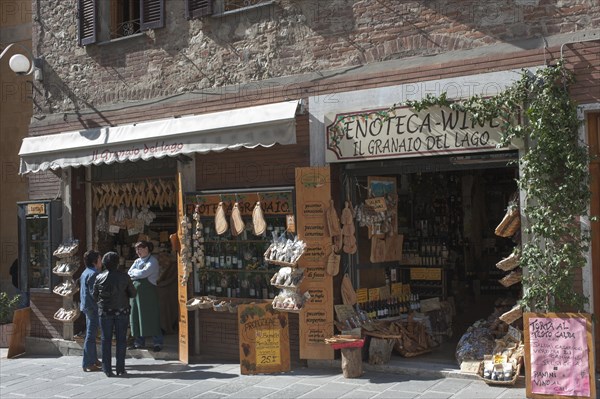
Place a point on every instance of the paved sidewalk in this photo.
(62, 377)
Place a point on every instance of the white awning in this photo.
(263, 125)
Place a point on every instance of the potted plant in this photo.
(8, 305)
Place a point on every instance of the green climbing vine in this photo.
(553, 175)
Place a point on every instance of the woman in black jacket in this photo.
(112, 291)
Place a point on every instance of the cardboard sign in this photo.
(272, 203)
(264, 339)
(362, 295)
(36, 209)
(378, 204)
(374, 294)
(423, 273)
(559, 356)
(397, 290)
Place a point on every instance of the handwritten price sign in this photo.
(267, 347)
(557, 350)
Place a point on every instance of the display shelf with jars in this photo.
(39, 235)
(232, 263)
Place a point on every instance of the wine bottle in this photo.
(264, 284)
(251, 289)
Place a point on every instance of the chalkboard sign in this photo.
(559, 355)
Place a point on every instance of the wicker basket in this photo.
(220, 306)
(192, 304)
(509, 263)
(279, 262)
(512, 278)
(510, 223)
(512, 315)
(68, 315)
(512, 381)
(72, 292)
(70, 271)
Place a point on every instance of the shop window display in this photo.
(230, 237)
(446, 269)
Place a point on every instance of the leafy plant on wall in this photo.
(538, 110)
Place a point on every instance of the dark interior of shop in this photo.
(447, 219)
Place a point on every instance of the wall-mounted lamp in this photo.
(20, 63)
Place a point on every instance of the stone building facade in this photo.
(203, 60)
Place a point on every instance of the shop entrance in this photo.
(136, 201)
(446, 210)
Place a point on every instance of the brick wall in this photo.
(43, 308)
(285, 39)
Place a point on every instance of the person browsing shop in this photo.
(89, 307)
(113, 290)
(145, 313)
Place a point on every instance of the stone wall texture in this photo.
(286, 38)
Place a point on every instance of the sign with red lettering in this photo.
(559, 356)
(404, 132)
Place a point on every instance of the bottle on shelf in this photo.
(264, 284)
(251, 289)
(218, 286)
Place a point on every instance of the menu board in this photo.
(264, 339)
(559, 356)
(313, 193)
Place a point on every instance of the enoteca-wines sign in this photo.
(404, 132)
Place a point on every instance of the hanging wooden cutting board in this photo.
(393, 247)
(333, 221)
(378, 248)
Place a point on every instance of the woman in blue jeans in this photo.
(89, 307)
(112, 291)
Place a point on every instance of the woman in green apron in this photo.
(145, 314)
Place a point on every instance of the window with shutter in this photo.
(105, 20)
(197, 8)
(87, 22)
(225, 7)
(152, 14)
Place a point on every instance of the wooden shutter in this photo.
(197, 8)
(87, 18)
(152, 14)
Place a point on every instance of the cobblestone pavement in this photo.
(62, 377)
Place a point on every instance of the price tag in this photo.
(290, 222)
(113, 229)
(373, 294)
(36, 209)
(267, 347)
(397, 289)
(426, 273)
(377, 203)
(362, 295)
